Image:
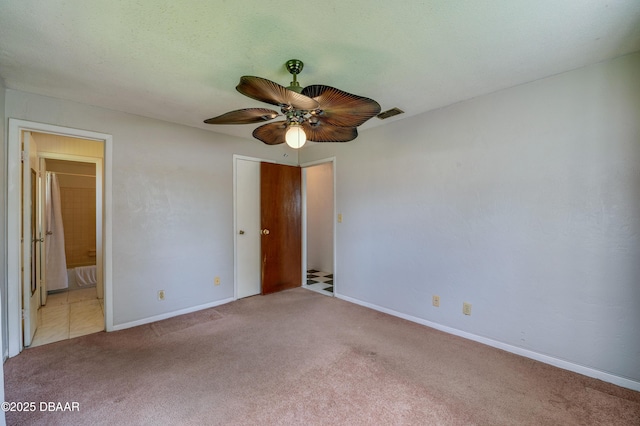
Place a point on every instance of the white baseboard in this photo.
(171, 314)
(556, 362)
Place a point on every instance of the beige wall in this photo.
(65, 145)
(79, 219)
(77, 195)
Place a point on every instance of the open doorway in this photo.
(94, 148)
(268, 226)
(72, 301)
(319, 228)
(318, 231)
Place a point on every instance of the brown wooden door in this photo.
(281, 227)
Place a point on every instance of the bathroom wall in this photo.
(57, 144)
(78, 201)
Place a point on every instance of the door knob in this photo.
(241, 232)
(265, 231)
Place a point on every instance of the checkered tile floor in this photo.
(319, 281)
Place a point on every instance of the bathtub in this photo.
(82, 277)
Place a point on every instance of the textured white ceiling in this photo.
(180, 61)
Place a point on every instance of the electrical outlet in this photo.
(466, 308)
(436, 301)
(216, 281)
(160, 294)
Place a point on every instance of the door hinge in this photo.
(22, 156)
(22, 314)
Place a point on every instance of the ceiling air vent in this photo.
(389, 113)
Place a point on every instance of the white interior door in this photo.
(248, 279)
(31, 239)
(42, 198)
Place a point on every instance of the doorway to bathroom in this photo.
(319, 226)
(71, 289)
(31, 146)
(71, 299)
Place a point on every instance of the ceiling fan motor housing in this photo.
(294, 66)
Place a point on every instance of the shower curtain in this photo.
(56, 261)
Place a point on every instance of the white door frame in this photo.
(29, 253)
(331, 160)
(14, 304)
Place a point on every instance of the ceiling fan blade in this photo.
(327, 133)
(271, 133)
(339, 108)
(244, 116)
(264, 90)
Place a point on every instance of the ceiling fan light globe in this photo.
(295, 137)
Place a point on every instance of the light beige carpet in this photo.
(300, 358)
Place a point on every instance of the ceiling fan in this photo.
(317, 113)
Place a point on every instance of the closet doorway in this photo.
(319, 225)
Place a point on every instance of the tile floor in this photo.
(69, 314)
(319, 281)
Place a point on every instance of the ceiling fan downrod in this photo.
(294, 66)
